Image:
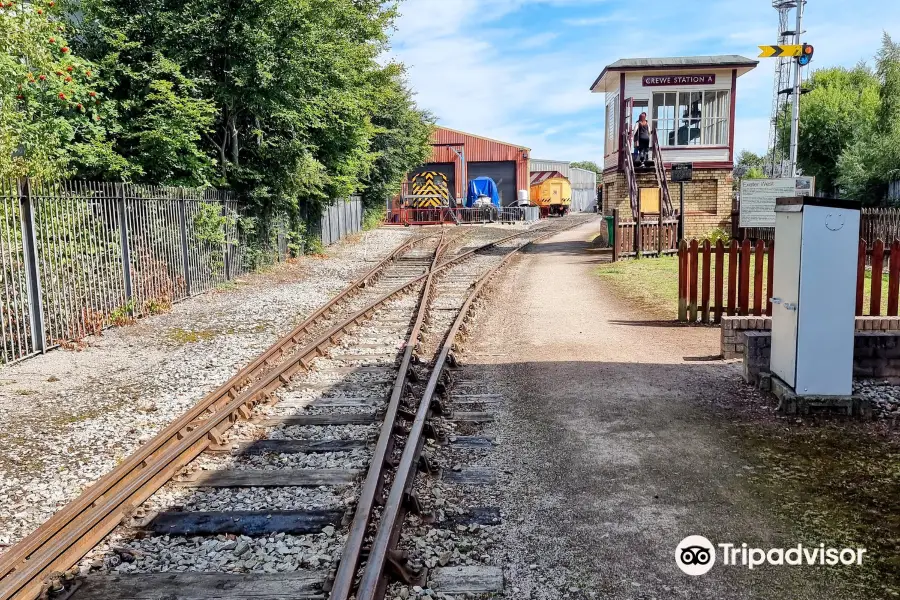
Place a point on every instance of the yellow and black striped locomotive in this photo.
(429, 189)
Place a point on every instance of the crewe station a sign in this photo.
(699, 79)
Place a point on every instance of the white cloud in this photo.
(520, 70)
(602, 20)
(538, 40)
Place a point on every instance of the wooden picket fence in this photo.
(736, 279)
(657, 236)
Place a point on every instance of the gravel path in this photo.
(607, 454)
(67, 417)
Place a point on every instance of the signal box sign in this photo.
(660, 80)
(682, 172)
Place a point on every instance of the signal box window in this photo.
(691, 118)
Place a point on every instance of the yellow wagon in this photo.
(551, 191)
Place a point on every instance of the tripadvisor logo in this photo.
(696, 555)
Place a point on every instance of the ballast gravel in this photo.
(883, 397)
(328, 432)
(67, 418)
(278, 553)
(277, 498)
(270, 461)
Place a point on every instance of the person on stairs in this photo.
(642, 138)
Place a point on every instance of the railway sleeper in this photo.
(253, 523)
(296, 585)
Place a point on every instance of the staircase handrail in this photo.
(661, 174)
(630, 177)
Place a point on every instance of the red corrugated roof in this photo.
(539, 177)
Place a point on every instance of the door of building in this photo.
(504, 175)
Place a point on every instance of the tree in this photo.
(157, 115)
(588, 166)
(401, 139)
(749, 166)
(873, 160)
(840, 108)
(51, 116)
(292, 85)
(300, 109)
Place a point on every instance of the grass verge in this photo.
(650, 283)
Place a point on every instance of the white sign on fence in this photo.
(758, 197)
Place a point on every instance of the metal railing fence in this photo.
(76, 257)
(513, 214)
(462, 216)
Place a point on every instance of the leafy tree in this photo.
(889, 74)
(292, 85)
(873, 160)
(840, 108)
(401, 139)
(51, 116)
(749, 165)
(285, 102)
(301, 110)
(587, 165)
(158, 115)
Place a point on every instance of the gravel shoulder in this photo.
(620, 437)
(68, 417)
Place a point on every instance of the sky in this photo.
(521, 70)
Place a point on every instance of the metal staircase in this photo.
(656, 164)
(630, 177)
(660, 169)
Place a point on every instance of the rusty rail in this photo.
(71, 532)
(374, 481)
(373, 583)
(24, 567)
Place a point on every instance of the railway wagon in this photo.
(552, 192)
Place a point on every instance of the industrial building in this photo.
(584, 182)
(462, 157)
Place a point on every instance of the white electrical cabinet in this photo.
(814, 294)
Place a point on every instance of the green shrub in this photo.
(373, 217)
(718, 234)
(314, 246)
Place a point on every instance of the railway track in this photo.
(293, 478)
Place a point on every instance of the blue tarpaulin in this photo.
(482, 186)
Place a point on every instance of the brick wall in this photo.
(615, 195)
(707, 199)
(733, 327)
(707, 202)
(876, 355)
(757, 354)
